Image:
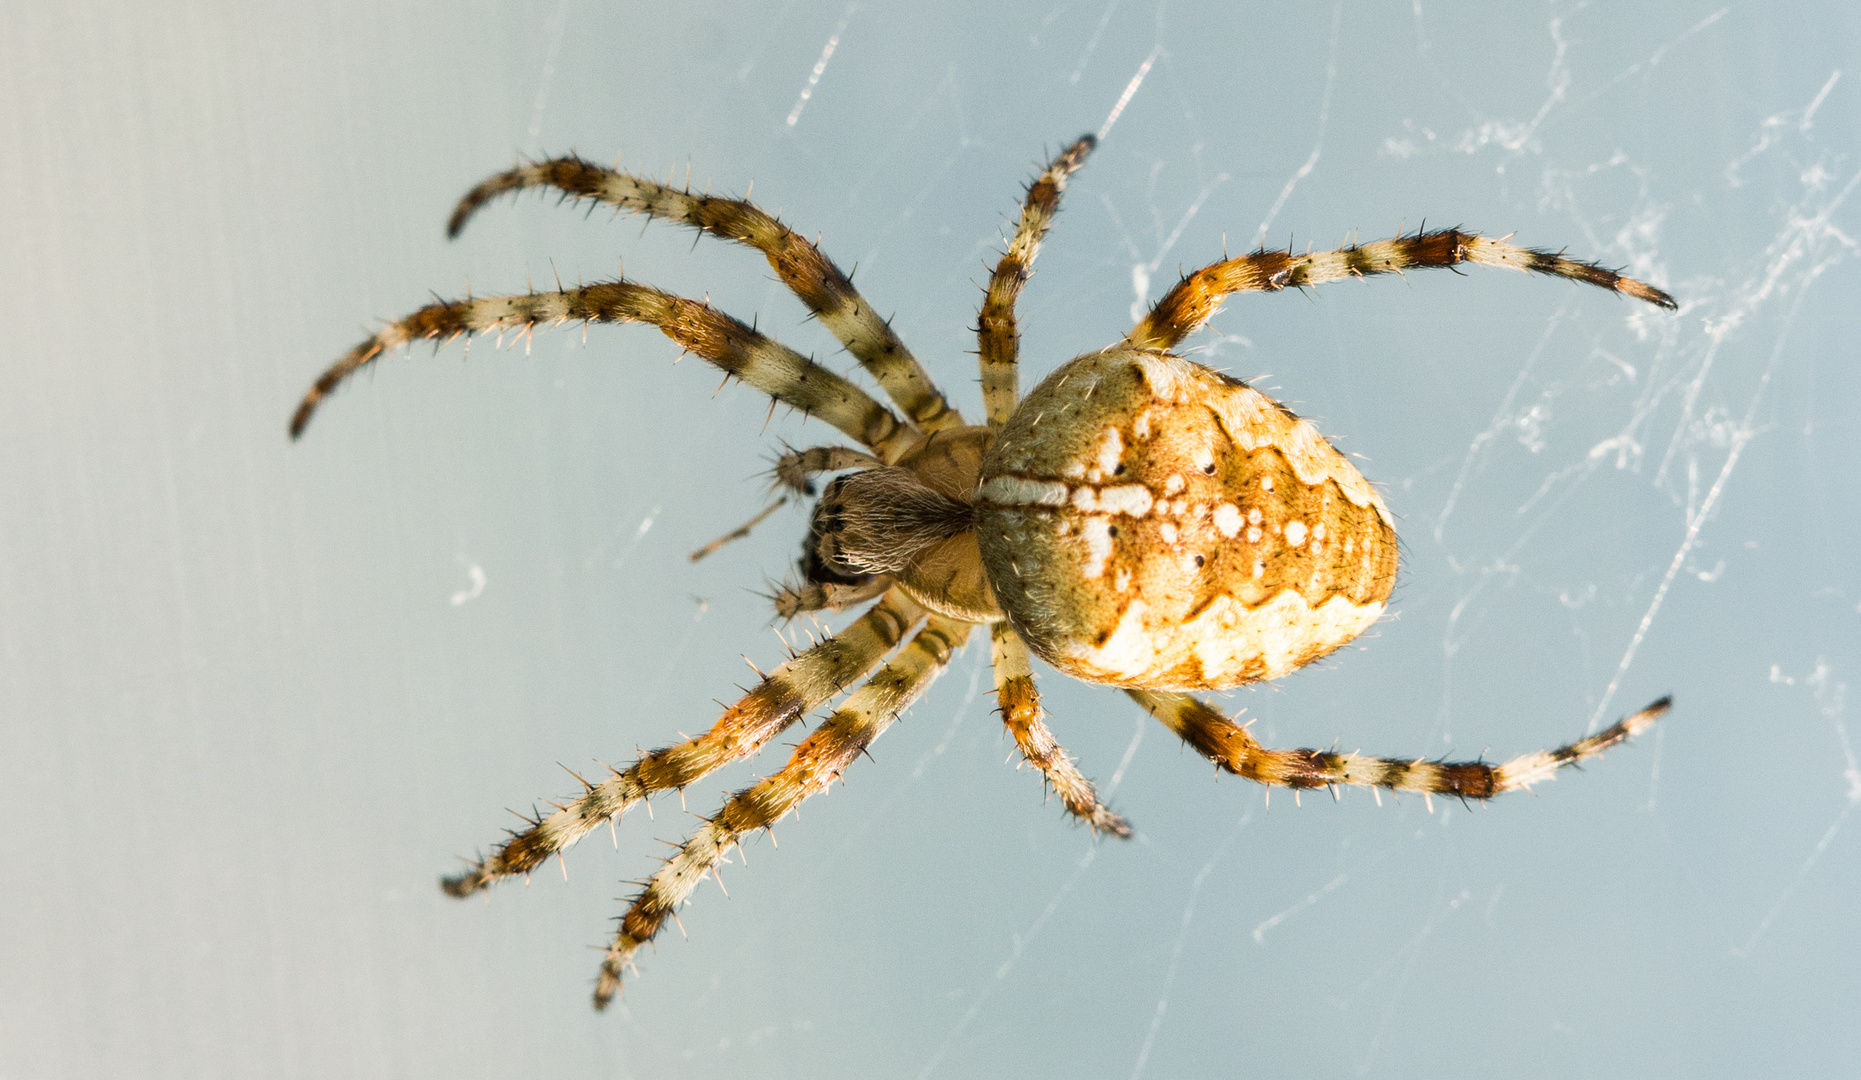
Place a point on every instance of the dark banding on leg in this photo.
(816, 763)
(828, 293)
(786, 694)
(997, 336)
(1022, 715)
(1196, 298)
(1229, 746)
(736, 349)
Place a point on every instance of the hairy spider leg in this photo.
(1022, 715)
(816, 763)
(769, 366)
(1230, 747)
(996, 333)
(792, 599)
(1197, 297)
(784, 696)
(796, 469)
(809, 274)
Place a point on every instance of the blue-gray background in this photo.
(258, 696)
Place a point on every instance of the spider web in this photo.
(261, 693)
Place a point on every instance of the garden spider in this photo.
(1138, 520)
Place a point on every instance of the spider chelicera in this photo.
(1137, 520)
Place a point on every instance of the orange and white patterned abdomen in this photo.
(1148, 522)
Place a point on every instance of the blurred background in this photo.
(257, 697)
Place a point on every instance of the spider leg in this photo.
(1021, 713)
(740, 532)
(816, 763)
(1230, 747)
(996, 334)
(792, 600)
(739, 351)
(785, 695)
(1197, 297)
(810, 275)
(796, 469)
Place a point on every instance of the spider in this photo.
(1137, 520)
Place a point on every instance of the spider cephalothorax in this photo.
(1139, 520)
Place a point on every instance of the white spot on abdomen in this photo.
(1017, 491)
(1097, 532)
(1132, 499)
(1111, 452)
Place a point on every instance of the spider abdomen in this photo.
(1148, 522)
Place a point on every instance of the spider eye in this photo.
(1198, 560)
(1209, 468)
